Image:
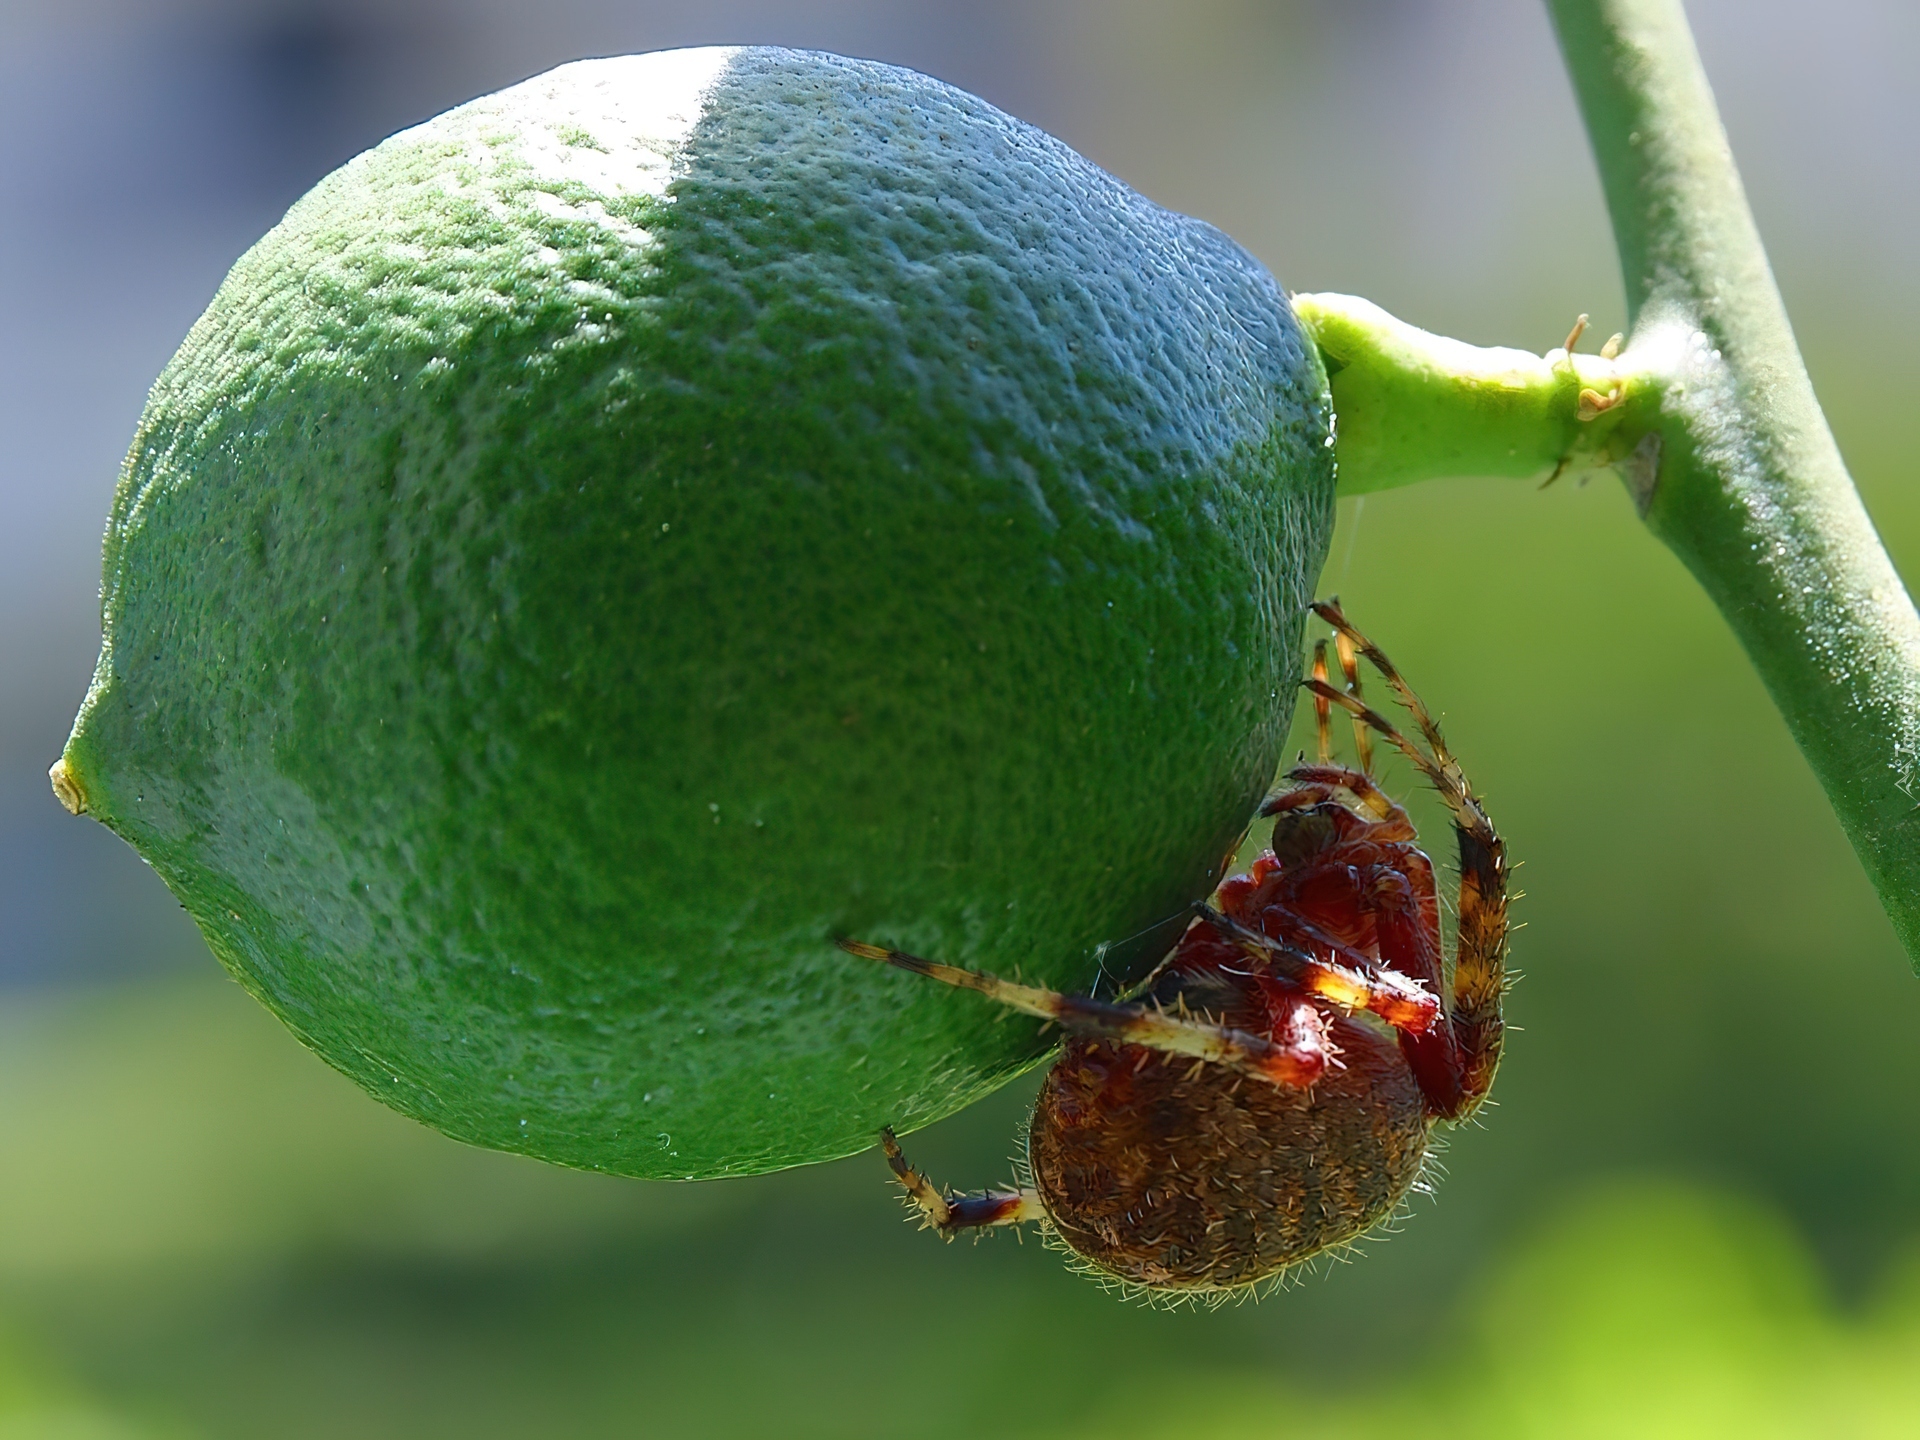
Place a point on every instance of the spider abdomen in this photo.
(1174, 1177)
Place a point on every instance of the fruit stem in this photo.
(1417, 406)
(1715, 429)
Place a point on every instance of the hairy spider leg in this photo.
(1442, 757)
(1350, 667)
(1401, 898)
(1317, 784)
(1369, 883)
(1288, 1062)
(1322, 708)
(950, 1213)
(1359, 984)
(1479, 978)
(1376, 874)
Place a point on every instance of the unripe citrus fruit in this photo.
(618, 535)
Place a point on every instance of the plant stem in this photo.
(1751, 492)
(1416, 406)
(1707, 415)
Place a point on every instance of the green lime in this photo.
(618, 535)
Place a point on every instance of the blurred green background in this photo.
(1696, 1209)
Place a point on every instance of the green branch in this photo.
(1752, 494)
(1707, 414)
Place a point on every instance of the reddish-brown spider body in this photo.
(1175, 1175)
(1270, 1090)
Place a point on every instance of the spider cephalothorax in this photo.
(1269, 1091)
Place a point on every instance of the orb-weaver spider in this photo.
(1268, 1092)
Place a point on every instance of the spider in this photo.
(1269, 1091)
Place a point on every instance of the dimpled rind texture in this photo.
(618, 535)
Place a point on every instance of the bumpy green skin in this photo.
(541, 613)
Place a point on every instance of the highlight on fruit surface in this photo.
(610, 539)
